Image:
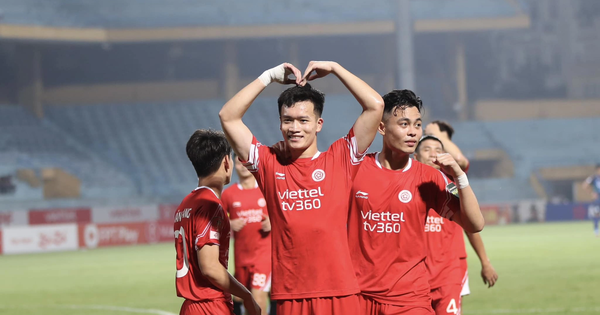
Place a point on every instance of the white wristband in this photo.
(276, 74)
(463, 181)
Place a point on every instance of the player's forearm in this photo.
(237, 106)
(471, 218)
(237, 133)
(222, 279)
(477, 244)
(366, 96)
(455, 152)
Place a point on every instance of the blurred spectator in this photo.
(6, 185)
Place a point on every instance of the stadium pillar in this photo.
(461, 79)
(404, 39)
(231, 73)
(30, 86)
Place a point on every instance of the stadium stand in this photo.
(121, 150)
(154, 13)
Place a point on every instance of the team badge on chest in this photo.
(318, 175)
(405, 196)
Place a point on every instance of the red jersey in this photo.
(308, 206)
(199, 220)
(386, 229)
(442, 258)
(251, 242)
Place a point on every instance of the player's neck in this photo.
(393, 160)
(213, 182)
(307, 153)
(248, 182)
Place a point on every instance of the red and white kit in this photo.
(308, 207)
(200, 221)
(388, 211)
(252, 244)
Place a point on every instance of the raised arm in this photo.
(488, 273)
(469, 217)
(449, 146)
(365, 127)
(211, 268)
(237, 133)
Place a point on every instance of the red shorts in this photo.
(446, 299)
(342, 305)
(211, 307)
(369, 306)
(256, 277)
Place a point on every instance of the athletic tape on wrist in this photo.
(274, 74)
(463, 181)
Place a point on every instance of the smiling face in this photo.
(299, 126)
(401, 129)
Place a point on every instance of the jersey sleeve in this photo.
(445, 196)
(208, 225)
(346, 150)
(259, 159)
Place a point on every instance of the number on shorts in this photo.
(259, 280)
(452, 309)
(180, 247)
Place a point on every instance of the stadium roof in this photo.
(118, 20)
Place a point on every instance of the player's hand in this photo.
(252, 307)
(282, 151)
(281, 74)
(489, 275)
(320, 69)
(237, 224)
(266, 223)
(448, 164)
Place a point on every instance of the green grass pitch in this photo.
(543, 268)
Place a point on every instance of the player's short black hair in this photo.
(298, 93)
(401, 99)
(444, 127)
(206, 149)
(428, 137)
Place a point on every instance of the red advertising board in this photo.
(101, 235)
(60, 215)
(161, 231)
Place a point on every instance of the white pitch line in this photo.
(93, 307)
(120, 309)
(538, 310)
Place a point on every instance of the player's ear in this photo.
(381, 128)
(319, 124)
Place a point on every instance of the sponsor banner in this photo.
(167, 212)
(118, 234)
(13, 218)
(124, 214)
(41, 238)
(161, 230)
(496, 214)
(59, 215)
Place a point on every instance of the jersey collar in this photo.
(200, 187)
(406, 168)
